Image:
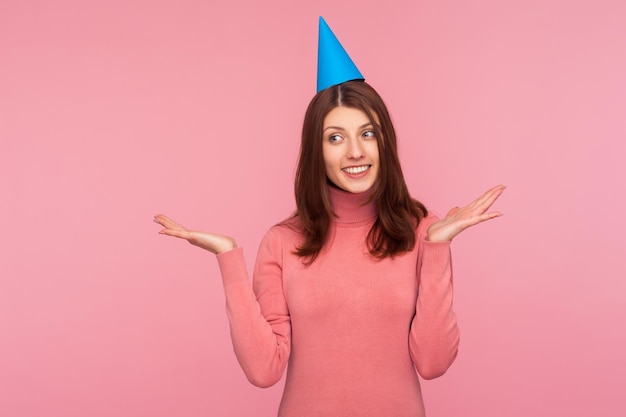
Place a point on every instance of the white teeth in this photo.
(356, 170)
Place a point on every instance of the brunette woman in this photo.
(354, 291)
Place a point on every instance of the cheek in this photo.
(373, 151)
(330, 158)
(376, 159)
(328, 168)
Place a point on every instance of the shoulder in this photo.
(286, 233)
(278, 243)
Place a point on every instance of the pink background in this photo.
(113, 111)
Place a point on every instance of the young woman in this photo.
(354, 291)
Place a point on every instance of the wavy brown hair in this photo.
(393, 231)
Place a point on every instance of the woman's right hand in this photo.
(209, 241)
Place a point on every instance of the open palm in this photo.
(210, 241)
(459, 219)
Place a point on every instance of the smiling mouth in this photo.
(356, 170)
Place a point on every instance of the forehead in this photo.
(346, 117)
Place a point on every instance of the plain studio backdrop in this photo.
(113, 111)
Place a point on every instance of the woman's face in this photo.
(350, 149)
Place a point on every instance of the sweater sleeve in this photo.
(434, 336)
(260, 326)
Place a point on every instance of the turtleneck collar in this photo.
(351, 208)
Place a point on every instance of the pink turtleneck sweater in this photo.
(352, 329)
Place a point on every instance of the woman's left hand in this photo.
(459, 219)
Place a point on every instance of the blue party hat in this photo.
(334, 66)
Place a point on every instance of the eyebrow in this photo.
(341, 128)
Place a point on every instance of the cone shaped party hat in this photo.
(334, 66)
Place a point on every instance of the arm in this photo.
(434, 336)
(259, 318)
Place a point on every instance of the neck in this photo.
(352, 207)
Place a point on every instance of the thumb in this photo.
(452, 212)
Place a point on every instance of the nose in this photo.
(355, 149)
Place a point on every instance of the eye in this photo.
(334, 138)
(369, 134)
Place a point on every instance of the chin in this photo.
(356, 189)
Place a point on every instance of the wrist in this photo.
(227, 246)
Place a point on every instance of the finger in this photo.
(182, 234)
(497, 192)
(487, 195)
(167, 222)
(164, 220)
(160, 218)
(484, 217)
(485, 201)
